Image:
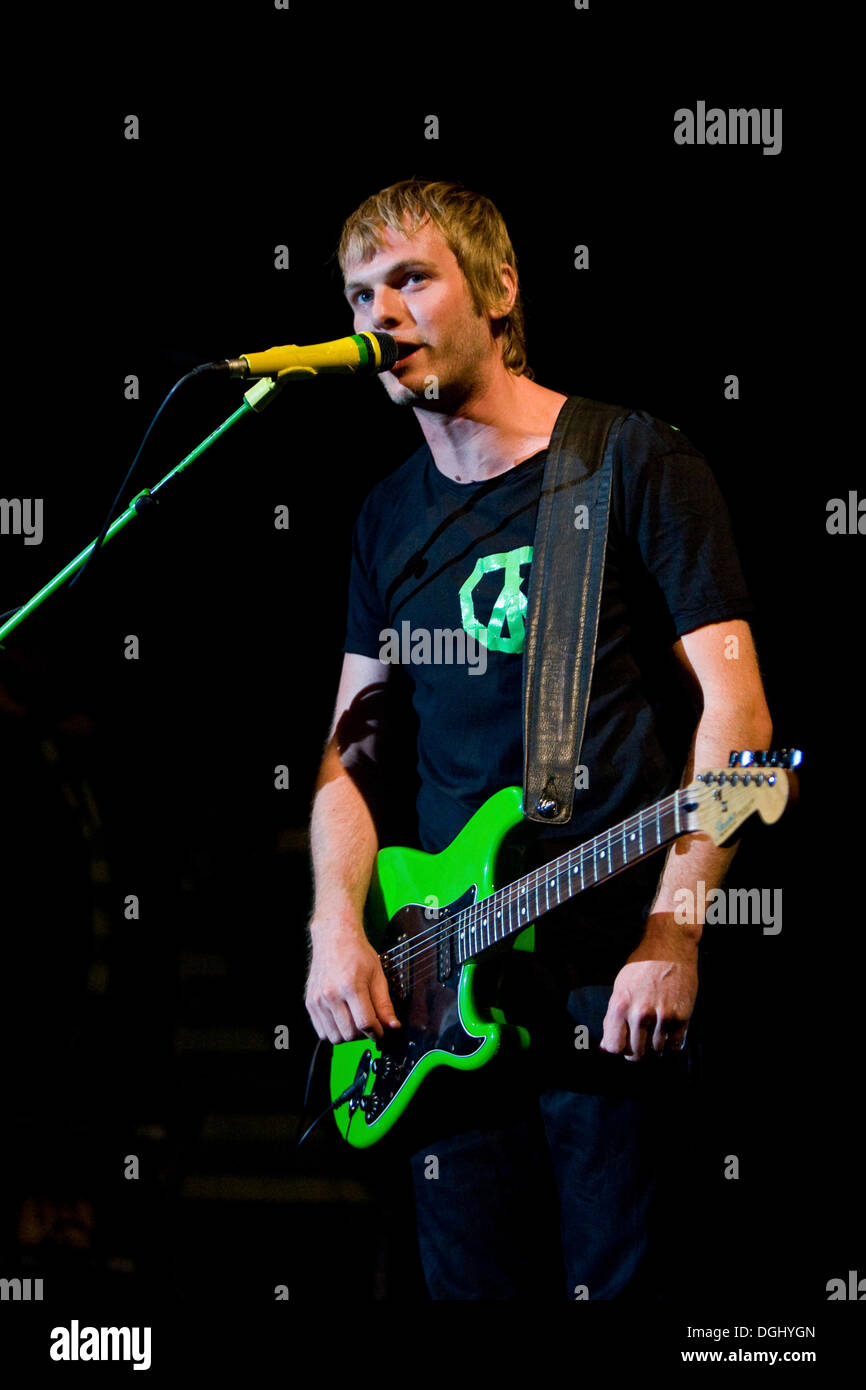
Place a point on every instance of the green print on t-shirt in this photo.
(510, 605)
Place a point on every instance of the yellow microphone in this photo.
(359, 354)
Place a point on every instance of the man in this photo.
(550, 1167)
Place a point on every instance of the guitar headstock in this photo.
(719, 801)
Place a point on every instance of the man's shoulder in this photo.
(643, 434)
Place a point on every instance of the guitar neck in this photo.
(510, 909)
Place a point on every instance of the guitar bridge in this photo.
(397, 965)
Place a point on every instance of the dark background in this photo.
(155, 777)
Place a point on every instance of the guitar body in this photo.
(432, 916)
(443, 1022)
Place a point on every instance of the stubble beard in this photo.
(466, 375)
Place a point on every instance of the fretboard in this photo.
(510, 909)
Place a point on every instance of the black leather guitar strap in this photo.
(563, 602)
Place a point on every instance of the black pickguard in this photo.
(423, 976)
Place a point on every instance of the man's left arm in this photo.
(654, 993)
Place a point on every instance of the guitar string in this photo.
(512, 893)
(422, 945)
(427, 970)
(427, 955)
(423, 942)
(580, 854)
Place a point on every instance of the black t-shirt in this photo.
(434, 555)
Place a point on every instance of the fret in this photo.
(484, 923)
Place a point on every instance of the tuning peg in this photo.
(740, 759)
(789, 758)
(761, 758)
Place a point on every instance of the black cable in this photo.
(196, 371)
(350, 1092)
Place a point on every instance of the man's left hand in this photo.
(653, 996)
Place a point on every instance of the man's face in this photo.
(414, 289)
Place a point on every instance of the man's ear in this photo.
(509, 292)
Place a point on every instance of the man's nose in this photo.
(387, 308)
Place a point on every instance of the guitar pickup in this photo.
(445, 962)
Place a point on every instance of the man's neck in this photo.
(507, 420)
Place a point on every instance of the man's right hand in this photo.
(347, 993)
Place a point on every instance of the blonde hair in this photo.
(473, 228)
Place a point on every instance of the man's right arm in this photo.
(347, 993)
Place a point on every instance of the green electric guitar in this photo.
(434, 916)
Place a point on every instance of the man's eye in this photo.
(417, 275)
(359, 297)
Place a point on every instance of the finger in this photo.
(330, 1031)
(662, 1033)
(364, 1014)
(639, 1026)
(382, 1000)
(325, 1028)
(615, 1034)
(670, 1032)
(344, 1021)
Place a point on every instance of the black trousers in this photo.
(525, 1190)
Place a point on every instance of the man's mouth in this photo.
(407, 350)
